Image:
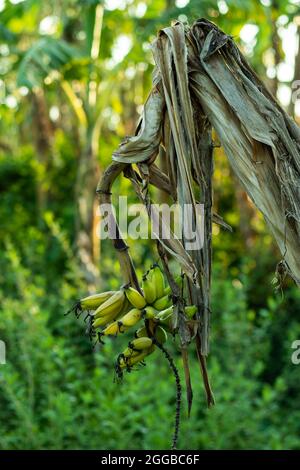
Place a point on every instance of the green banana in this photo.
(112, 306)
(112, 330)
(135, 298)
(148, 287)
(162, 303)
(150, 312)
(158, 280)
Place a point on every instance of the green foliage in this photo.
(56, 391)
(46, 56)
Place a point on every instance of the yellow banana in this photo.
(135, 298)
(139, 344)
(102, 321)
(158, 280)
(162, 303)
(94, 301)
(148, 287)
(112, 306)
(131, 318)
(113, 329)
(190, 311)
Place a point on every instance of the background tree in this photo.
(65, 106)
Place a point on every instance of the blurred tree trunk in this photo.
(43, 135)
(88, 173)
(85, 192)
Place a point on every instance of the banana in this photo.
(135, 298)
(102, 321)
(139, 344)
(112, 306)
(131, 318)
(190, 311)
(158, 280)
(149, 290)
(162, 303)
(94, 301)
(150, 312)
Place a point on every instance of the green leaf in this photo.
(46, 56)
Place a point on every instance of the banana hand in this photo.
(94, 301)
(112, 306)
(139, 344)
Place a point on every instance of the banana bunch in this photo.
(112, 313)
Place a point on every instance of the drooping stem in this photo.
(177, 381)
(178, 393)
(104, 193)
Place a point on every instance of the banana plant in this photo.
(54, 60)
